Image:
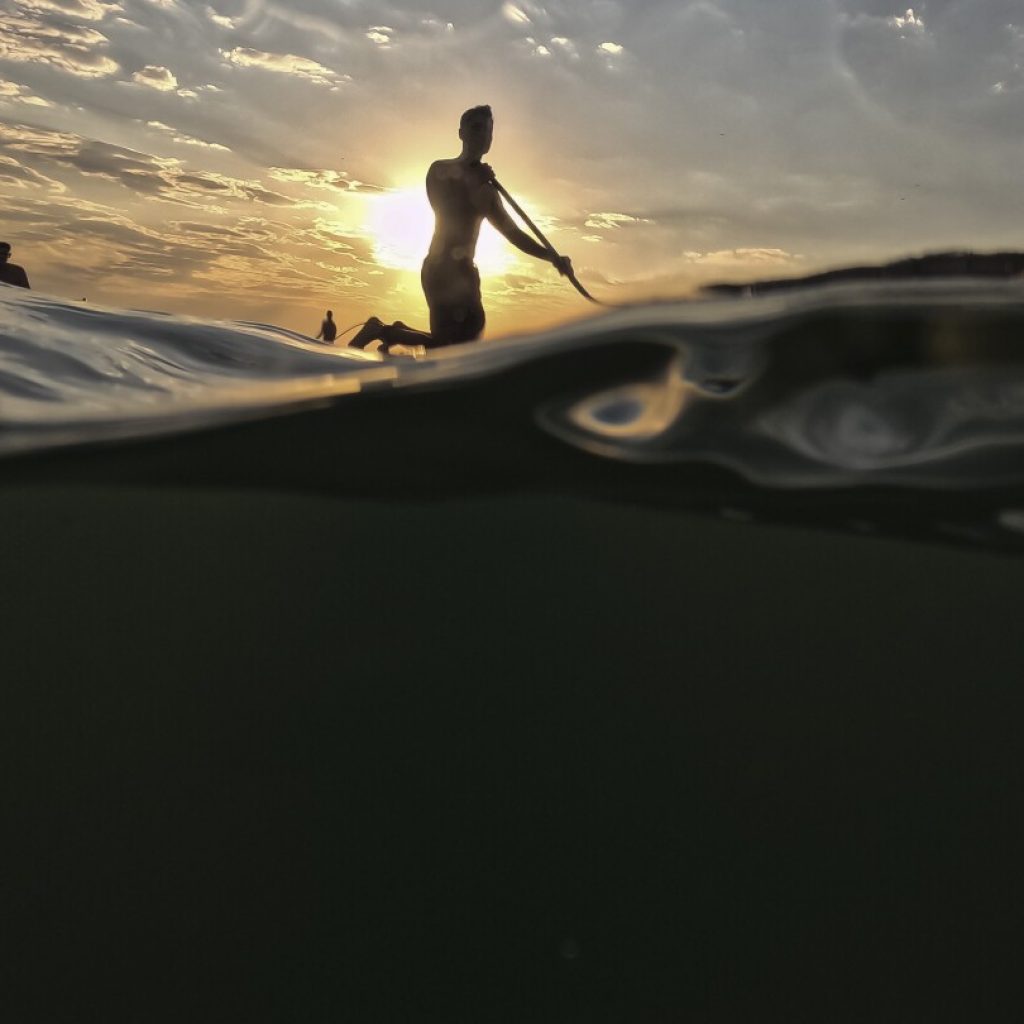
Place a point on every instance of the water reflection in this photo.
(921, 385)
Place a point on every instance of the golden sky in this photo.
(260, 160)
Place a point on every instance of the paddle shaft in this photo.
(543, 241)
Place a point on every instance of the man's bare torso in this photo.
(461, 199)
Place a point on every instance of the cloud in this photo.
(75, 49)
(259, 194)
(86, 10)
(743, 257)
(568, 29)
(156, 78)
(222, 240)
(13, 91)
(90, 242)
(515, 14)
(15, 174)
(195, 264)
(248, 229)
(88, 247)
(381, 35)
(38, 141)
(187, 140)
(938, 77)
(282, 63)
(220, 19)
(907, 20)
(609, 221)
(436, 25)
(566, 46)
(333, 235)
(147, 176)
(336, 180)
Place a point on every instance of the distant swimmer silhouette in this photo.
(462, 194)
(328, 329)
(11, 273)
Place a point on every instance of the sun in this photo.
(401, 224)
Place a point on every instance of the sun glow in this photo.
(401, 224)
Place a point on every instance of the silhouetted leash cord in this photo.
(543, 241)
(341, 334)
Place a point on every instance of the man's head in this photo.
(476, 129)
(5, 251)
(329, 314)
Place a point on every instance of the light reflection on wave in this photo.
(912, 383)
(917, 386)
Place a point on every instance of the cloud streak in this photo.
(74, 49)
(149, 176)
(156, 78)
(283, 64)
(337, 181)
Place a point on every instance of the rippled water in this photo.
(917, 386)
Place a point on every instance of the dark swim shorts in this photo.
(452, 288)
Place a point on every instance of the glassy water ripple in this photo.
(917, 385)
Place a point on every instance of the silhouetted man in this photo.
(328, 329)
(462, 196)
(11, 273)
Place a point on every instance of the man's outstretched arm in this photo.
(502, 220)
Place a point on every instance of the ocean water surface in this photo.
(853, 405)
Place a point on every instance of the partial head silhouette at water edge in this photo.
(11, 273)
